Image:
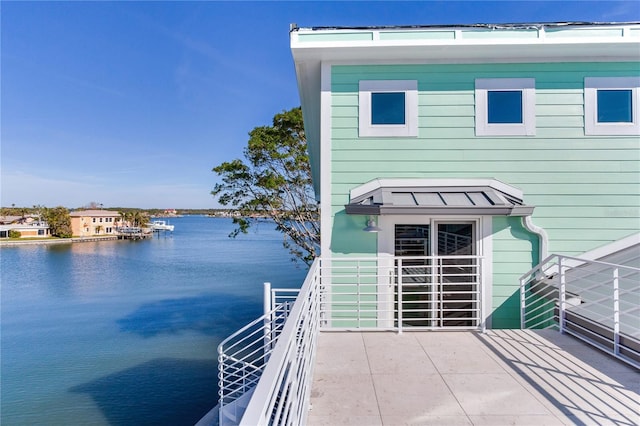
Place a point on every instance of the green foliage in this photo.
(22, 211)
(274, 181)
(134, 217)
(14, 234)
(59, 221)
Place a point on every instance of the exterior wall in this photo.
(585, 188)
(26, 231)
(77, 227)
(86, 224)
(514, 253)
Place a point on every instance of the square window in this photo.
(505, 107)
(388, 108)
(611, 106)
(614, 106)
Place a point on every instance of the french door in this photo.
(437, 274)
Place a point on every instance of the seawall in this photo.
(56, 241)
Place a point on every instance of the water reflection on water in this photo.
(124, 333)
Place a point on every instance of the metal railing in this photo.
(242, 358)
(281, 396)
(394, 293)
(372, 293)
(597, 302)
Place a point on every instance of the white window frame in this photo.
(528, 88)
(410, 126)
(591, 87)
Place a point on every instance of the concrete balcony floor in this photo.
(503, 377)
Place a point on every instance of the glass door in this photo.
(439, 288)
(415, 274)
(458, 283)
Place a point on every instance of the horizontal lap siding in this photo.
(585, 189)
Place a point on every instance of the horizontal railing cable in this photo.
(597, 302)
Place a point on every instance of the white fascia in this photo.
(461, 50)
(607, 249)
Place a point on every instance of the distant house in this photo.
(85, 223)
(28, 227)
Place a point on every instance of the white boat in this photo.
(160, 225)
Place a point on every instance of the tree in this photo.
(59, 221)
(274, 181)
(38, 210)
(133, 218)
(139, 218)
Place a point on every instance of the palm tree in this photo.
(140, 218)
(128, 218)
(122, 219)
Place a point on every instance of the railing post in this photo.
(358, 295)
(481, 292)
(322, 315)
(616, 312)
(267, 306)
(562, 295)
(438, 308)
(399, 295)
(221, 388)
(523, 308)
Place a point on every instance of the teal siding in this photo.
(585, 188)
(514, 252)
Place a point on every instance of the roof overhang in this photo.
(450, 197)
(94, 213)
(482, 43)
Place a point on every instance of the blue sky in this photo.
(131, 104)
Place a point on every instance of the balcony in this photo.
(326, 349)
(501, 377)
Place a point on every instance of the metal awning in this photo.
(437, 197)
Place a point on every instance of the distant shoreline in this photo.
(30, 242)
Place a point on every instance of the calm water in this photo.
(125, 333)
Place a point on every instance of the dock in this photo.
(133, 233)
